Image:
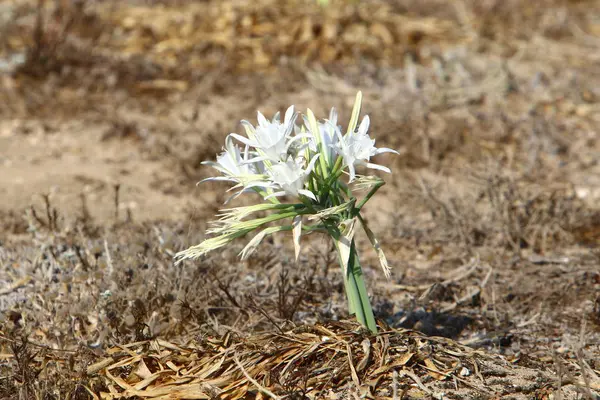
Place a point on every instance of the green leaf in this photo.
(297, 231)
(258, 238)
(208, 245)
(239, 213)
(324, 156)
(377, 247)
(335, 211)
(347, 231)
(355, 113)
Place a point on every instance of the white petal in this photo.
(311, 164)
(364, 125)
(308, 194)
(276, 117)
(254, 160)
(379, 167)
(342, 146)
(262, 121)
(289, 115)
(313, 126)
(352, 172)
(333, 116)
(229, 145)
(249, 128)
(233, 197)
(257, 184)
(275, 194)
(386, 150)
(218, 178)
(244, 140)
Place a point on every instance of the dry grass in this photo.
(319, 361)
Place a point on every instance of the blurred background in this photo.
(491, 217)
(139, 92)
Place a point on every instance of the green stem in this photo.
(356, 290)
(369, 195)
(336, 172)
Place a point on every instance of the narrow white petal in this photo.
(308, 194)
(386, 150)
(342, 147)
(218, 178)
(313, 127)
(249, 128)
(275, 194)
(289, 115)
(229, 145)
(379, 167)
(311, 164)
(333, 116)
(234, 196)
(239, 185)
(262, 121)
(352, 172)
(255, 241)
(276, 117)
(244, 140)
(254, 160)
(364, 125)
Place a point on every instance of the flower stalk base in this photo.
(356, 291)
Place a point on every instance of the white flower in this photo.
(271, 139)
(357, 148)
(234, 166)
(329, 132)
(290, 176)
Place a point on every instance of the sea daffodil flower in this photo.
(357, 148)
(270, 139)
(304, 164)
(291, 176)
(234, 166)
(329, 133)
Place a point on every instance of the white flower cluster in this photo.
(305, 162)
(278, 157)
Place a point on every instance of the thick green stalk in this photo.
(356, 290)
(356, 277)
